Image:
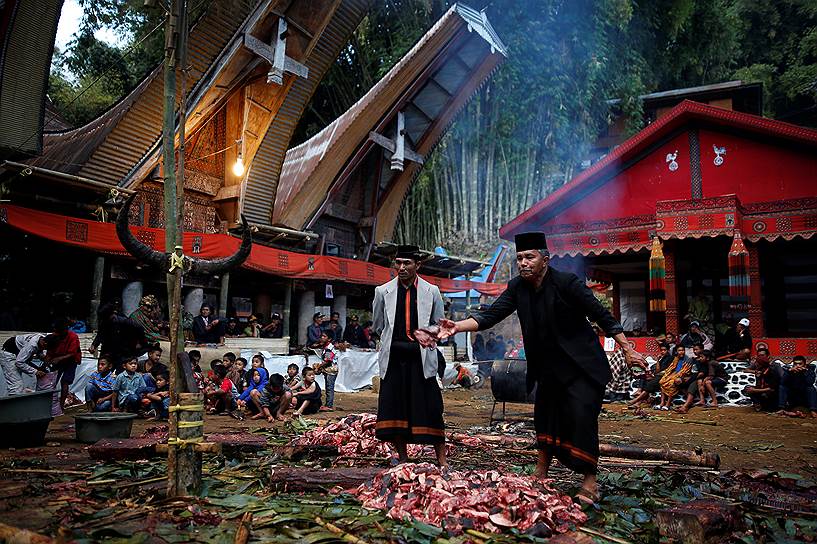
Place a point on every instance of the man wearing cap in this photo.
(740, 349)
(273, 329)
(314, 331)
(563, 352)
(354, 333)
(695, 336)
(410, 405)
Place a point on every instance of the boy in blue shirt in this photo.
(99, 391)
(129, 388)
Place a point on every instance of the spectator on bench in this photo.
(797, 390)
(764, 393)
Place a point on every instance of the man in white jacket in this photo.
(410, 406)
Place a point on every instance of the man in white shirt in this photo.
(16, 359)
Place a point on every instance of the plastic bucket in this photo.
(24, 419)
(93, 427)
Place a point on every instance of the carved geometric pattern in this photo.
(681, 223)
(310, 263)
(759, 226)
(695, 165)
(147, 237)
(613, 238)
(76, 231)
(4, 215)
(706, 222)
(811, 222)
(198, 244)
(370, 271)
(783, 224)
(343, 267)
(788, 347)
(812, 347)
(283, 260)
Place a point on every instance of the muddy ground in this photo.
(744, 439)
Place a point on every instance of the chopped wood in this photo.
(684, 457)
(53, 471)
(311, 479)
(121, 449)
(14, 535)
(699, 521)
(604, 535)
(242, 535)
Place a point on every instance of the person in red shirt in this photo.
(63, 356)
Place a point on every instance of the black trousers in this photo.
(410, 406)
(566, 418)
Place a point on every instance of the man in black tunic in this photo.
(410, 405)
(564, 356)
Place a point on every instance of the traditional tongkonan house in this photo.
(315, 225)
(729, 200)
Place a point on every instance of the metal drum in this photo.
(508, 383)
(24, 419)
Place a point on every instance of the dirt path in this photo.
(744, 439)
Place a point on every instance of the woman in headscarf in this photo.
(675, 377)
(148, 314)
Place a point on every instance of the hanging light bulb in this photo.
(238, 166)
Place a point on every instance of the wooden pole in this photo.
(96, 292)
(184, 475)
(183, 463)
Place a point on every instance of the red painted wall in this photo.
(635, 190)
(756, 171)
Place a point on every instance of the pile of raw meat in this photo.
(354, 437)
(489, 501)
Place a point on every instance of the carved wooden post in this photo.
(671, 286)
(756, 325)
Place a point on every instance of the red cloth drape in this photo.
(102, 237)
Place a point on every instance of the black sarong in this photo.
(566, 420)
(410, 405)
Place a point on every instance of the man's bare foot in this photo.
(682, 410)
(700, 403)
(814, 413)
(270, 419)
(257, 416)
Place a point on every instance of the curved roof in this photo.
(429, 85)
(685, 113)
(108, 147)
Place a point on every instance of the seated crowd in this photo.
(690, 371)
(229, 387)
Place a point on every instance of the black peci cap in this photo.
(526, 241)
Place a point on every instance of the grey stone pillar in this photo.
(339, 306)
(306, 307)
(193, 300)
(287, 312)
(131, 296)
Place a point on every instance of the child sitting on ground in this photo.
(160, 398)
(258, 361)
(293, 379)
(307, 398)
(223, 394)
(129, 388)
(464, 377)
(275, 399)
(250, 399)
(195, 364)
(99, 391)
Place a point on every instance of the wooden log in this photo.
(684, 457)
(120, 449)
(311, 479)
(242, 535)
(203, 447)
(699, 521)
(14, 535)
(184, 463)
(235, 444)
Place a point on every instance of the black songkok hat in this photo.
(526, 241)
(408, 252)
